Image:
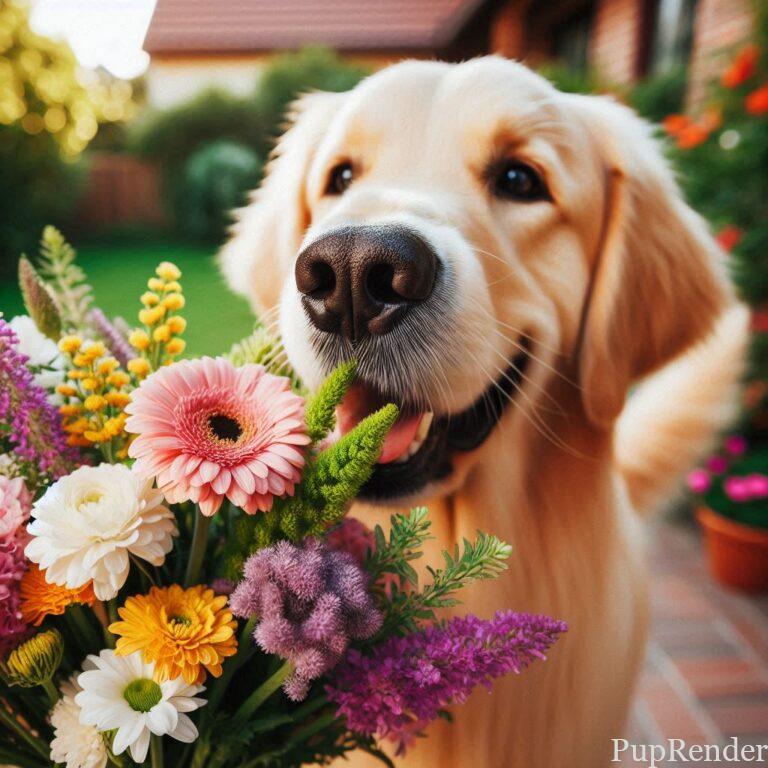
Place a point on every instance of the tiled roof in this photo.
(191, 26)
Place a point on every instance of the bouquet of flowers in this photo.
(179, 582)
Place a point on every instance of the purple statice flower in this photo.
(407, 681)
(117, 343)
(32, 422)
(311, 602)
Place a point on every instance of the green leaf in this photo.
(321, 410)
(39, 301)
(262, 348)
(64, 279)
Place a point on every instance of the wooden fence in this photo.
(120, 191)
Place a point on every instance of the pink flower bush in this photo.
(209, 431)
(717, 464)
(699, 480)
(736, 445)
(746, 488)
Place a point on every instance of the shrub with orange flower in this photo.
(756, 102)
(40, 599)
(742, 68)
(184, 631)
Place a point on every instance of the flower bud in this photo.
(149, 298)
(35, 661)
(161, 333)
(173, 301)
(177, 324)
(175, 346)
(70, 344)
(168, 271)
(139, 339)
(138, 366)
(155, 284)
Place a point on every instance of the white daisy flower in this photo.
(43, 353)
(121, 693)
(75, 745)
(88, 522)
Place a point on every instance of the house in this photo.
(199, 43)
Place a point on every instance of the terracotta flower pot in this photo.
(738, 554)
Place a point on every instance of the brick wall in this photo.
(719, 25)
(616, 37)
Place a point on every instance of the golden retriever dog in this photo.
(506, 262)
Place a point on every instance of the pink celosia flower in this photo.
(736, 488)
(699, 480)
(757, 485)
(352, 536)
(207, 430)
(15, 503)
(736, 445)
(717, 464)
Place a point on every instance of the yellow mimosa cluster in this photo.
(158, 339)
(95, 395)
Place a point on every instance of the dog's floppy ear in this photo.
(658, 281)
(267, 232)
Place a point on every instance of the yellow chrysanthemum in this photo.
(184, 631)
(40, 599)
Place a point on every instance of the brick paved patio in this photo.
(706, 675)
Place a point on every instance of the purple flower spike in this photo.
(311, 602)
(407, 680)
(35, 428)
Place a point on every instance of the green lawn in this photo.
(118, 273)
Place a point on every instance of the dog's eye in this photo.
(339, 179)
(518, 181)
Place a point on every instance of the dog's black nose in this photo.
(361, 280)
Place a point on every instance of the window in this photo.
(672, 35)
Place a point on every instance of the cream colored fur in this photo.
(616, 281)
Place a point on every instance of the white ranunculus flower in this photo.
(41, 351)
(121, 694)
(87, 523)
(75, 745)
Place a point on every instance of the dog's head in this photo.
(466, 232)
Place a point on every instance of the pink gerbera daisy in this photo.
(207, 430)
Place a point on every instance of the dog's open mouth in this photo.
(419, 447)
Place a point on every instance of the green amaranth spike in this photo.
(331, 481)
(321, 409)
(39, 301)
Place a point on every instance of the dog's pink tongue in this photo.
(358, 403)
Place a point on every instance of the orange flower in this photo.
(184, 631)
(756, 102)
(729, 237)
(692, 136)
(673, 124)
(40, 599)
(743, 66)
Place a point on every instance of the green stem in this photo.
(197, 552)
(50, 689)
(109, 638)
(263, 692)
(82, 626)
(14, 725)
(245, 649)
(302, 734)
(156, 751)
(144, 570)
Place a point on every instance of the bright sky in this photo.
(106, 33)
